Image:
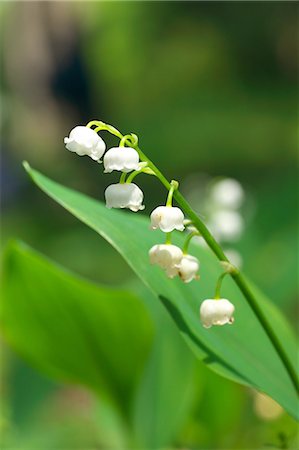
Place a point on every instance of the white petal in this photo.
(172, 272)
(188, 268)
(166, 256)
(216, 312)
(124, 159)
(167, 218)
(123, 195)
(85, 141)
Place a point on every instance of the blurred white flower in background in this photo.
(226, 225)
(227, 193)
(220, 204)
(225, 197)
(234, 257)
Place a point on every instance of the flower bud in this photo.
(167, 218)
(124, 159)
(188, 268)
(85, 141)
(166, 256)
(123, 195)
(216, 312)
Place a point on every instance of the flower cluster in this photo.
(127, 157)
(85, 141)
(170, 257)
(222, 207)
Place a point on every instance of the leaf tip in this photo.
(26, 166)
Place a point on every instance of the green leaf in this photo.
(166, 391)
(72, 329)
(242, 352)
(168, 388)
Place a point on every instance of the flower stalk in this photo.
(122, 178)
(236, 275)
(218, 285)
(188, 240)
(173, 186)
(168, 238)
(85, 141)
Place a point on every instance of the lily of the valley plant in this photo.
(128, 159)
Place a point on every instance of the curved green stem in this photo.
(124, 140)
(218, 286)
(142, 169)
(173, 186)
(133, 175)
(168, 238)
(122, 179)
(235, 274)
(188, 240)
(105, 127)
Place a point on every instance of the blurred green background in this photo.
(211, 90)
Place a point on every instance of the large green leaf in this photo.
(169, 386)
(242, 352)
(162, 398)
(167, 390)
(71, 329)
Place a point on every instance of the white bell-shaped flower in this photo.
(216, 312)
(85, 141)
(124, 195)
(124, 159)
(167, 218)
(166, 256)
(188, 268)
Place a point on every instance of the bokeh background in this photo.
(211, 90)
